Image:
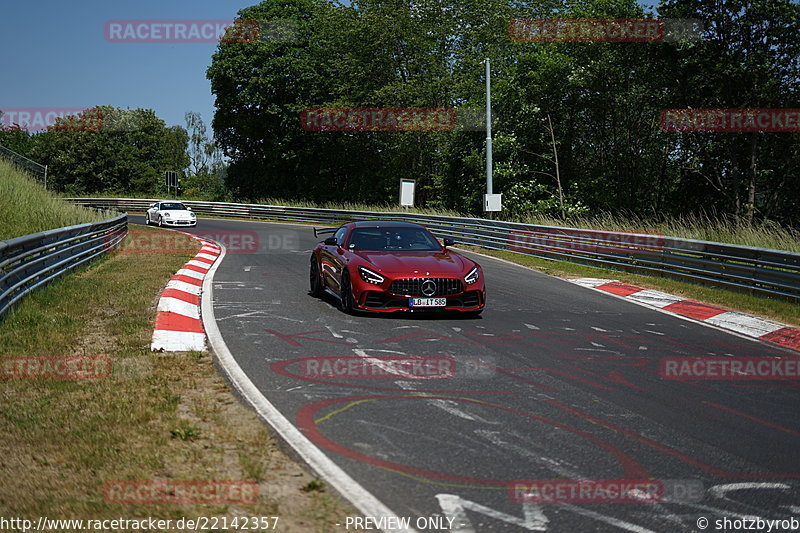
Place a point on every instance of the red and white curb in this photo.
(744, 324)
(178, 325)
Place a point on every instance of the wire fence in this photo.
(33, 168)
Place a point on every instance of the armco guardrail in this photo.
(30, 261)
(763, 271)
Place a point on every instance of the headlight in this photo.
(167, 215)
(192, 215)
(472, 276)
(370, 276)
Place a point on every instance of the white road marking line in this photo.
(335, 335)
(607, 519)
(590, 282)
(325, 468)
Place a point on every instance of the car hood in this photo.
(416, 263)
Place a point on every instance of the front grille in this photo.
(413, 286)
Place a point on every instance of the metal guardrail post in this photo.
(31, 261)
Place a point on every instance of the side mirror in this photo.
(331, 241)
(188, 208)
(448, 242)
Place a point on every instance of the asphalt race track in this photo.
(554, 381)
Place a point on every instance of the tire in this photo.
(160, 223)
(315, 281)
(146, 219)
(346, 294)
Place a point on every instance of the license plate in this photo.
(427, 302)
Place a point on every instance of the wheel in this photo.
(146, 219)
(160, 222)
(346, 293)
(314, 279)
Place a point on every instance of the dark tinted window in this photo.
(393, 238)
(174, 205)
(340, 233)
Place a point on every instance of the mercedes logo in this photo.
(428, 287)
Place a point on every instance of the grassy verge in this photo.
(778, 310)
(158, 416)
(26, 207)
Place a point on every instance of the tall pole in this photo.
(488, 128)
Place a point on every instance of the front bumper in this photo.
(385, 302)
(181, 223)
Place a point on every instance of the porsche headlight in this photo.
(472, 276)
(370, 276)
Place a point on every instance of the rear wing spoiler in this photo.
(323, 231)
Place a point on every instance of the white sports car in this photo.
(170, 213)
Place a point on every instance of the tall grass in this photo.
(26, 207)
(762, 234)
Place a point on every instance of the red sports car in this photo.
(385, 267)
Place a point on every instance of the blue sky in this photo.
(54, 55)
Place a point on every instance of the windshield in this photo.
(177, 205)
(393, 238)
